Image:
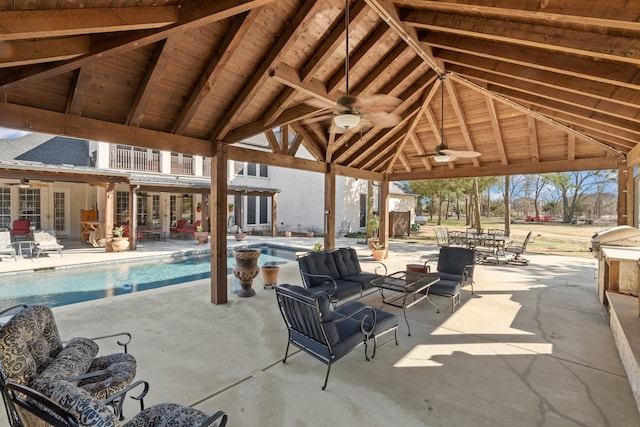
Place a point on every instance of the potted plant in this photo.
(118, 242)
(201, 236)
(378, 252)
(373, 227)
(199, 207)
(269, 275)
(239, 234)
(231, 207)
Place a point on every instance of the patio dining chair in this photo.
(518, 250)
(345, 228)
(20, 229)
(442, 236)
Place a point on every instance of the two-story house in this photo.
(54, 181)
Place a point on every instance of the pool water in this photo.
(71, 285)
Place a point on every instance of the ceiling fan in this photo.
(350, 111)
(443, 154)
(25, 183)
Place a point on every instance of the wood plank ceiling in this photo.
(534, 86)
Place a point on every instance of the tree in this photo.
(439, 189)
(573, 186)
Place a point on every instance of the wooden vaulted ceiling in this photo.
(534, 86)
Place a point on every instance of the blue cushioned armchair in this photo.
(455, 269)
(315, 329)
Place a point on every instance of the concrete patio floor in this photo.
(531, 347)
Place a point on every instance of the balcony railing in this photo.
(134, 160)
(206, 166)
(181, 165)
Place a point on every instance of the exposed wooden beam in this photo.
(416, 146)
(290, 115)
(571, 147)
(463, 63)
(310, 142)
(442, 172)
(538, 116)
(276, 52)
(289, 76)
(221, 57)
(574, 41)
(533, 139)
(462, 121)
(388, 13)
(38, 120)
(28, 52)
(497, 133)
(410, 135)
(150, 82)
(602, 71)
(191, 16)
(32, 24)
(79, 90)
(293, 149)
(273, 141)
(601, 16)
(337, 80)
(580, 100)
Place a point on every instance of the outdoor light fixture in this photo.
(347, 120)
(442, 158)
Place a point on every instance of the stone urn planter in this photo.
(120, 244)
(201, 237)
(246, 270)
(240, 236)
(269, 275)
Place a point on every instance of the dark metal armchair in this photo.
(455, 268)
(518, 250)
(71, 406)
(315, 329)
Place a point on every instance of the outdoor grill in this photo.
(621, 235)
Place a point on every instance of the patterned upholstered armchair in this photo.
(71, 406)
(32, 354)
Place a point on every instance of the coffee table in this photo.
(405, 289)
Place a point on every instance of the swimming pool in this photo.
(76, 284)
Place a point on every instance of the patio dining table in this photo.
(486, 244)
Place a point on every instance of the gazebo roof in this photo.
(533, 86)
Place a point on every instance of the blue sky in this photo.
(11, 133)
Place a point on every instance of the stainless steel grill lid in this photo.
(620, 235)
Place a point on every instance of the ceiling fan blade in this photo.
(461, 154)
(383, 120)
(377, 103)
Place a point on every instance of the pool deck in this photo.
(531, 347)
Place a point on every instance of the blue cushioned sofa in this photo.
(337, 272)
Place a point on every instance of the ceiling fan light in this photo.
(347, 120)
(442, 158)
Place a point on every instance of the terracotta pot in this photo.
(270, 275)
(240, 236)
(246, 270)
(372, 242)
(378, 254)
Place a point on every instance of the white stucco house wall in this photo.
(57, 205)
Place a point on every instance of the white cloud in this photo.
(11, 133)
